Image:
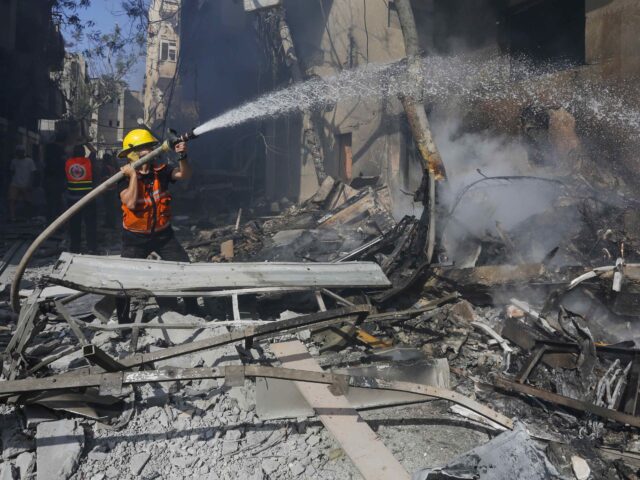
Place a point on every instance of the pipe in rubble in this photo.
(416, 116)
(418, 121)
(75, 208)
(421, 131)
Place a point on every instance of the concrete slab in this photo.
(59, 445)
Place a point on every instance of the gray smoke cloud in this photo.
(469, 157)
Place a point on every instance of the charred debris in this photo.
(331, 305)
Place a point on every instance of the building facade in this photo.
(31, 47)
(163, 46)
(233, 52)
(75, 87)
(113, 119)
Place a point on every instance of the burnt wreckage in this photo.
(371, 315)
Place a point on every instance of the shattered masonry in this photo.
(211, 386)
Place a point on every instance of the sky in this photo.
(106, 14)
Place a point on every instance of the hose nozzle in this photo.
(174, 138)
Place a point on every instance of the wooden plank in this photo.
(367, 452)
(324, 190)
(356, 211)
(154, 277)
(340, 196)
(8, 256)
(236, 307)
(10, 262)
(64, 312)
(493, 275)
(321, 306)
(22, 335)
(135, 333)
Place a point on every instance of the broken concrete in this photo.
(138, 462)
(14, 439)
(8, 471)
(59, 446)
(26, 464)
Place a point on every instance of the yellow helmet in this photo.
(138, 137)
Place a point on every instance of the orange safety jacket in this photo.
(79, 175)
(152, 212)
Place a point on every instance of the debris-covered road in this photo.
(428, 363)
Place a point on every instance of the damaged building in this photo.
(31, 48)
(413, 242)
(246, 52)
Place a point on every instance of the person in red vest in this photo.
(79, 172)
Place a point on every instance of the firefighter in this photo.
(79, 173)
(146, 209)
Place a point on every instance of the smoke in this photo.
(493, 208)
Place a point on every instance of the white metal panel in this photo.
(95, 273)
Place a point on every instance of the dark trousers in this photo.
(167, 246)
(87, 216)
(53, 196)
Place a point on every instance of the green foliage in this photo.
(67, 12)
(110, 55)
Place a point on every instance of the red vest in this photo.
(79, 175)
(152, 212)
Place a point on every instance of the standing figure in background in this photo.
(54, 180)
(79, 172)
(22, 170)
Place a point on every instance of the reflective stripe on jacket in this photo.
(79, 174)
(152, 212)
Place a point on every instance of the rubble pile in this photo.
(494, 363)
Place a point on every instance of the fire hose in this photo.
(166, 146)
